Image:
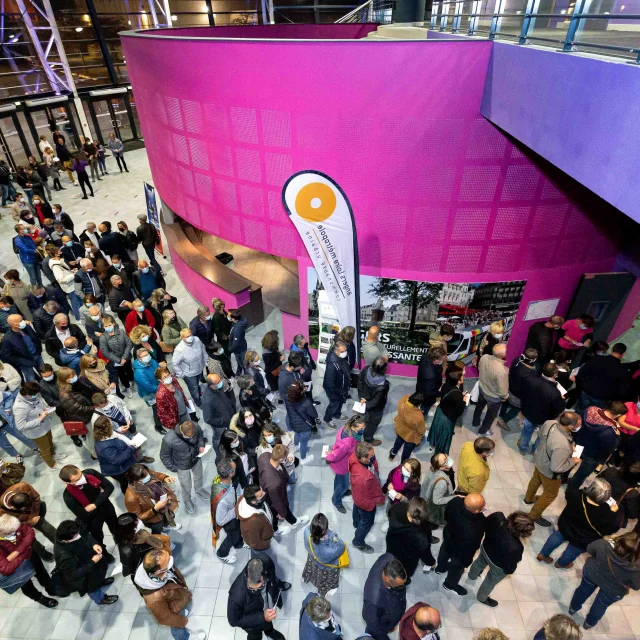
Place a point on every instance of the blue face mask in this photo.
(69, 244)
(219, 385)
(141, 309)
(145, 270)
(357, 436)
(145, 479)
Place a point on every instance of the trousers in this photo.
(550, 490)
(45, 446)
(340, 487)
(493, 577)
(600, 604)
(334, 408)
(493, 409)
(186, 477)
(452, 565)
(407, 448)
(372, 421)
(553, 542)
(5, 444)
(363, 523)
(232, 539)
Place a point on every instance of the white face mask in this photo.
(79, 483)
(144, 339)
(189, 340)
(94, 318)
(23, 324)
(577, 429)
(449, 463)
(343, 354)
(168, 380)
(73, 380)
(249, 421)
(498, 336)
(405, 474)
(72, 350)
(48, 378)
(235, 445)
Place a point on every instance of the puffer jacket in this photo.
(25, 537)
(144, 376)
(10, 379)
(338, 457)
(116, 345)
(76, 406)
(139, 501)
(256, 525)
(115, 456)
(365, 488)
(26, 414)
(410, 423)
(63, 274)
(179, 453)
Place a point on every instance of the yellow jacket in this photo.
(473, 470)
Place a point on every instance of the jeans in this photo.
(553, 542)
(180, 633)
(8, 191)
(240, 362)
(28, 373)
(11, 428)
(585, 401)
(102, 164)
(193, 384)
(232, 539)
(98, 595)
(407, 448)
(35, 272)
(525, 437)
(495, 575)
(215, 438)
(586, 467)
(185, 477)
(303, 440)
(76, 304)
(493, 408)
(452, 565)
(598, 607)
(340, 487)
(334, 408)
(363, 523)
(150, 250)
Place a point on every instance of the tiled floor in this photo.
(526, 599)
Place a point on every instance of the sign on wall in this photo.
(153, 214)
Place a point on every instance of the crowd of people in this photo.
(95, 324)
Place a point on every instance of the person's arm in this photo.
(106, 485)
(7, 567)
(166, 457)
(625, 425)
(22, 423)
(337, 452)
(74, 506)
(128, 346)
(165, 616)
(376, 621)
(439, 494)
(178, 359)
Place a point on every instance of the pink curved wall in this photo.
(438, 192)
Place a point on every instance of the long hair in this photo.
(226, 439)
(319, 527)
(416, 469)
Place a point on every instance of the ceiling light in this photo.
(174, 18)
(78, 29)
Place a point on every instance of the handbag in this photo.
(343, 560)
(75, 428)
(13, 472)
(22, 575)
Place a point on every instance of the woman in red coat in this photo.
(19, 563)
(171, 401)
(139, 315)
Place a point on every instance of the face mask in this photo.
(48, 378)
(145, 479)
(31, 398)
(270, 439)
(139, 526)
(249, 421)
(235, 445)
(449, 463)
(36, 202)
(117, 265)
(189, 340)
(220, 351)
(79, 483)
(11, 537)
(94, 318)
(580, 427)
(23, 324)
(93, 365)
(405, 474)
(146, 358)
(87, 250)
(68, 244)
(145, 270)
(38, 296)
(373, 459)
(208, 317)
(498, 336)
(144, 339)
(255, 364)
(110, 329)
(170, 565)
(73, 380)
(357, 435)
(168, 380)
(140, 309)
(325, 624)
(490, 455)
(121, 230)
(89, 304)
(72, 350)
(63, 327)
(219, 385)
(342, 355)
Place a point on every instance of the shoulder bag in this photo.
(343, 560)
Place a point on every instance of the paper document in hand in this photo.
(561, 389)
(574, 372)
(191, 408)
(578, 451)
(138, 440)
(325, 450)
(307, 386)
(207, 448)
(359, 407)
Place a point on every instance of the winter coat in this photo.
(429, 379)
(50, 392)
(245, 608)
(309, 631)
(25, 537)
(222, 329)
(29, 513)
(26, 414)
(115, 456)
(256, 525)
(598, 435)
(301, 416)
(26, 247)
(605, 568)
(337, 376)
(272, 363)
(113, 243)
(72, 360)
(473, 470)
(274, 482)
(202, 331)
(338, 457)
(98, 377)
(365, 487)
(76, 406)
(237, 340)
(132, 554)
(327, 551)
(410, 423)
(167, 601)
(171, 332)
(15, 351)
(167, 406)
(408, 542)
(218, 407)
(10, 379)
(375, 395)
(78, 571)
(115, 345)
(179, 453)
(133, 320)
(146, 233)
(463, 532)
(144, 376)
(63, 274)
(541, 400)
(189, 359)
(139, 501)
(42, 322)
(519, 373)
(53, 345)
(99, 496)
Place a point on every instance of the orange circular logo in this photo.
(315, 202)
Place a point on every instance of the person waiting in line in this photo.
(586, 518)
(501, 551)
(373, 388)
(224, 497)
(142, 338)
(221, 323)
(92, 316)
(522, 368)
(201, 326)
(21, 347)
(116, 346)
(490, 339)
(493, 384)
(629, 423)
(336, 383)
(231, 447)
(8, 308)
(270, 436)
(403, 483)
(116, 453)
(473, 469)
(144, 369)
(430, 377)
(237, 338)
(189, 359)
(603, 379)
(75, 403)
(439, 488)
(576, 336)
(62, 329)
(273, 358)
(71, 353)
(347, 335)
(139, 315)
(131, 241)
(317, 621)
(324, 547)
(338, 456)
(160, 301)
(451, 407)
(253, 369)
(19, 291)
(117, 149)
(559, 627)
(421, 621)
(94, 375)
(172, 326)
(372, 348)
(301, 418)
(218, 406)
(543, 336)
(300, 345)
(220, 364)
(251, 395)
(147, 279)
(120, 297)
(171, 401)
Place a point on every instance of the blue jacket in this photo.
(337, 376)
(4, 314)
(145, 377)
(301, 416)
(84, 279)
(286, 379)
(72, 360)
(14, 349)
(114, 456)
(237, 340)
(309, 631)
(202, 331)
(327, 551)
(26, 249)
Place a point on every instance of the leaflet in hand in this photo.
(359, 407)
(307, 386)
(138, 440)
(49, 409)
(325, 450)
(207, 448)
(190, 406)
(574, 372)
(577, 452)
(561, 389)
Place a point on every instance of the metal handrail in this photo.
(349, 15)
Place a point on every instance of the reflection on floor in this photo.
(278, 277)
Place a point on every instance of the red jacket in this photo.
(405, 628)
(167, 405)
(25, 537)
(365, 488)
(133, 321)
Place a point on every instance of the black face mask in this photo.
(63, 327)
(93, 365)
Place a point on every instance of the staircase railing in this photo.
(370, 11)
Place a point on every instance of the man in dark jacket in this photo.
(202, 326)
(43, 294)
(147, 279)
(336, 383)
(148, 237)
(123, 269)
(237, 339)
(120, 298)
(218, 407)
(603, 378)
(90, 234)
(385, 596)
(87, 281)
(541, 401)
(409, 535)
(374, 389)
(522, 367)
(43, 318)
(62, 329)
(501, 551)
(293, 371)
(543, 336)
(21, 347)
(274, 480)
(462, 537)
(112, 243)
(253, 599)
(317, 621)
(86, 495)
(180, 452)
(72, 252)
(81, 563)
(430, 376)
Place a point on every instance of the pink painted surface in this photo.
(438, 193)
(273, 32)
(629, 313)
(291, 325)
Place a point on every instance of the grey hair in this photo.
(255, 569)
(51, 305)
(298, 338)
(224, 467)
(339, 343)
(318, 609)
(561, 627)
(114, 278)
(598, 490)
(85, 262)
(244, 381)
(59, 317)
(202, 311)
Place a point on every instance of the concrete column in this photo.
(409, 11)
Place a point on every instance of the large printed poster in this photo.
(153, 214)
(407, 311)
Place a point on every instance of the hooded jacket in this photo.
(365, 488)
(375, 394)
(337, 376)
(114, 456)
(598, 435)
(256, 525)
(7, 497)
(609, 571)
(410, 423)
(338, 457)
(179, 453)
(144, 376)
(408, 542)
(167, 600)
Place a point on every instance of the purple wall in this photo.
(274, 32)
(578, 112)
(438, 192)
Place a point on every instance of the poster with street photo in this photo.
(409, 311)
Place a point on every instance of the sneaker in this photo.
(365, 548)
(59, 456)
(331, 425)
(300, 521)
(331, 592)
(488, 433)
(427, 569)
(458, 590)
(283, 530)
(198, 635)
(490, 602)
(176, 527)
(392, 455)
(230, 559)
(203, 494)
(340, 508)
(76, 184)
(109, 600)
(385, 527)
(543, 522)
(189, 507)
(307, 460)
(19, 458)
(503, 425)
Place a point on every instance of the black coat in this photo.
(337, 376)
(237, 339)
(302, 416)
(408, 542)
(519, 372)
(375, 395)
(463, 532)
(73, 560)
(502, 547)
(604, 377)
(202, 331)
(42, 322)
(84, 236)
(429, 379)
(53, 345)
(14, 349)
(272, 363)
(218, 407)
(74, 253)
(96, 495)
(541, 400)
(543, 339)
(113, 243)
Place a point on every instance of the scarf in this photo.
(218, 491)
(397, 480)
(373, 379)
(77, 492)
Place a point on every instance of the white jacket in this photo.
(12, 379)
(63, 274)
(189, 359)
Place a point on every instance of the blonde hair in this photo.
(167, 316)
(8, 524)
(85, 361)
(64, 374)
(561, 627)
(137, 332)
(496, 327)
(185, 333)
(156, 296)
(490, 633)
(250, 357)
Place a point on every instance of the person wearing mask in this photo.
(403, 483)
(372, 348)
(273, 359)
(586, 518)
(576, 334)
(317, 621)
(71, 355)
(324, 547)
(301, 418)
(254, 598)
(439, 488)
(543, 336)
(541, 401)
(385, 596)
(494, 388)
(87, 495)
(492, 338)
(220, 363)
(522, 368)
(603, 379)
(116, 453)
(64, 155)
(21, 347)
(218, 406)
(43, 318)
(293, 370)
(252, 396)
(121, 298)
(255, 518)
(501, 551)
(553, 458)
(24, 183)
(131, 241)
(172, 325)
(63, 330)
(629, 423)
(19, 562)
(221, 323)
(149, 497)
(473, 469)
(224, 497)
(420, 622)
(81, 563)
(142, 337)
(336, 383)
(160, 301)
(614, 569)
(171, 401)
(338, 457)
(90, 234)
(18, 207)
(374, 390)
(189, 359)
(237, 340)
(409, 535)
(72, 253)
(144, 369)
(116, 346)
(180, 453)
(117, 149)
(27, 254)
(139, 315)
(271, 435)
(75, 403)
(462, 536)
(7, 308)
(19, 292)
(112, 243)
(33, 419)
(165, 592)
(148, 236)
(87, 281)
(65, 276)
(430, 376)
(600, 438)
(232, 447)
(366, 491)
(453, 402)
(441, 337)
(147, 279)
(36, 183)
(201, 326)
